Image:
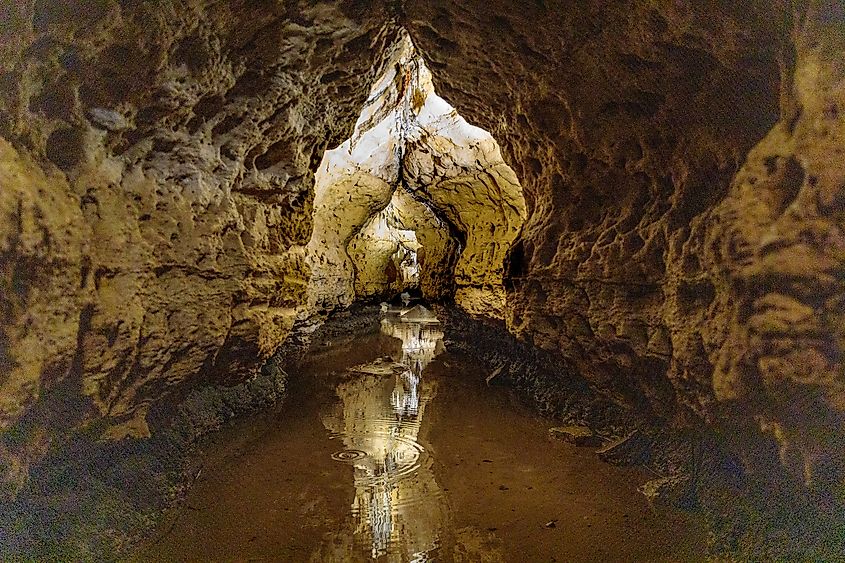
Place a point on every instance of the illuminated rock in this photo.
(413, 166)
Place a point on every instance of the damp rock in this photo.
(633, 449)
(578, 435)
(496, 373)
(419, 314)
(382, 366)
(673, 490)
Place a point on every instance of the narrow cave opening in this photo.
(417, 199)
(385, 255)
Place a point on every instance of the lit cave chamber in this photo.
(417, 198)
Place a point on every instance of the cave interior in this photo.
(426, 280)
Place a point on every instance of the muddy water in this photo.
(393, 449)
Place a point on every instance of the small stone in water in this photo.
(495, 374)
(578, 435)
(551, 524)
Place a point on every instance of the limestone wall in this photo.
(444, 177)
(681, 163)
(156, 188)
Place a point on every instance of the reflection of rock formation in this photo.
(397, 511)
(420, 342)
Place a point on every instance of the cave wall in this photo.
(409, 224)
(458, 170)
(439, 251)
(342, 207)
(354, 182)
(681, 163)
(378, 253)
(682, 170)
(157, 167)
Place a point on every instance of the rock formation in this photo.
(413, 155)
(157, 172)
(681, 162)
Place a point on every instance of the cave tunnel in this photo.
(422, 281)
(416, 199)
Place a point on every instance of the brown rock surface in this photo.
(157, 179)
(577, 435)
(682, 165)
(413, 164)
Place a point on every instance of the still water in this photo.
(398, 508)
(393, 449)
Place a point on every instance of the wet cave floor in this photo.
(392, 448)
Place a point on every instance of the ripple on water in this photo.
(386, 456)
(398, 508)
(348, 455)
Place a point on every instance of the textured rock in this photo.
(156, 195)
(405, 226)
(680, 163)
(776, 244)
(631, 449)
(576, 435)
(415, 159)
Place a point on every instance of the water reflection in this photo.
(397, 513)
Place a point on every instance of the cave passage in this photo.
(395, 449)
(416, 199)
(252, 258)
